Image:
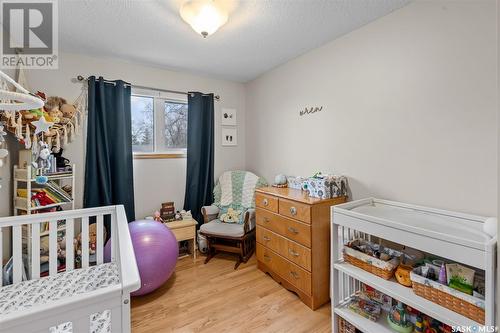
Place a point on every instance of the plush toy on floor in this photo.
(156, 251)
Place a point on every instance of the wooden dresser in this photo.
(293, 241)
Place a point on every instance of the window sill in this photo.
(148, 156)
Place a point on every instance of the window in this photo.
(159, 125)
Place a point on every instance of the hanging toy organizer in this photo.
(65, 119)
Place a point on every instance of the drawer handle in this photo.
(293, 253)
(265, 202)
(295, 275)
(267, 239)
(293, 211)
(293, 230)
(265, 219)
(266, 257)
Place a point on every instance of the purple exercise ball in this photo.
(156, 251)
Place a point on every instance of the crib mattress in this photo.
(32, 293)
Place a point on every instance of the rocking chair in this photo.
(234, 189)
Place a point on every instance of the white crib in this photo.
(93, 298)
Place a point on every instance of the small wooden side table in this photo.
(184, 230)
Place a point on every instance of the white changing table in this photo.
(455, 236)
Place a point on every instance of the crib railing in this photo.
(27, 233)
(25, 260)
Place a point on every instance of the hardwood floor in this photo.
(216, 298)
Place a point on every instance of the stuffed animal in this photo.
(68, 110)
(44, 249)
(59, 110)
(42, 161)
(54, 103)
(61, 247)
(92, 240)
(231, 216)
(61, 161)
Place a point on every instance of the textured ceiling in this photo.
(260, 34)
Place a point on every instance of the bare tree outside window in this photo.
(159, 125)
(142, 124)
(176, 125)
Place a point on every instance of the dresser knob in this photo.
(293, 253)
(266, 257)
(295, 275)
(293, 230)
(266, 219)
(267, 239)
(293, 211)
(265, 202)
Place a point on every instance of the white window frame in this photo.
(159, 100)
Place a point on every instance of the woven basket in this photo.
(449, 301)
(384, 274)
(345, 326)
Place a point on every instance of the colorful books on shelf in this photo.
(49, 194)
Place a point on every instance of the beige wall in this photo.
(409, 109)
(155, 181)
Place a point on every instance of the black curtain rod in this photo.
(80, 78)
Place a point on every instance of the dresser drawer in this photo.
(266, 256)
(291, 229)
(297, 276)
(271, 240)
(299, 232)
(298, 254)
(295, 210)
(266, 201)
(294, 252)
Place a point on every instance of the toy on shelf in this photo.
(157, 217)
(280, 181)
(402, 275)
(186, 215)
(398, 319)
(168, 211)
(365, 307)
(42, 162)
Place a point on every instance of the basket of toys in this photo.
(374, 258)
(453, 286)
(345, 326)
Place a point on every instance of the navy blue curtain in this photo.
(200, 153)
(108, 168)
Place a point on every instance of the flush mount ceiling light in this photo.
(204, 16)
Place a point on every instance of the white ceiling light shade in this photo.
(204, 16)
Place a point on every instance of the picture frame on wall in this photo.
(229, 136)
(228, 117)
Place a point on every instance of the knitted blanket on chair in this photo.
(236, 190)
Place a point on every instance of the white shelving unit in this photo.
(24, 176)
(23, 179)
(455, 236)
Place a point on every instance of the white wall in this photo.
(156, 181)
(409, 109)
